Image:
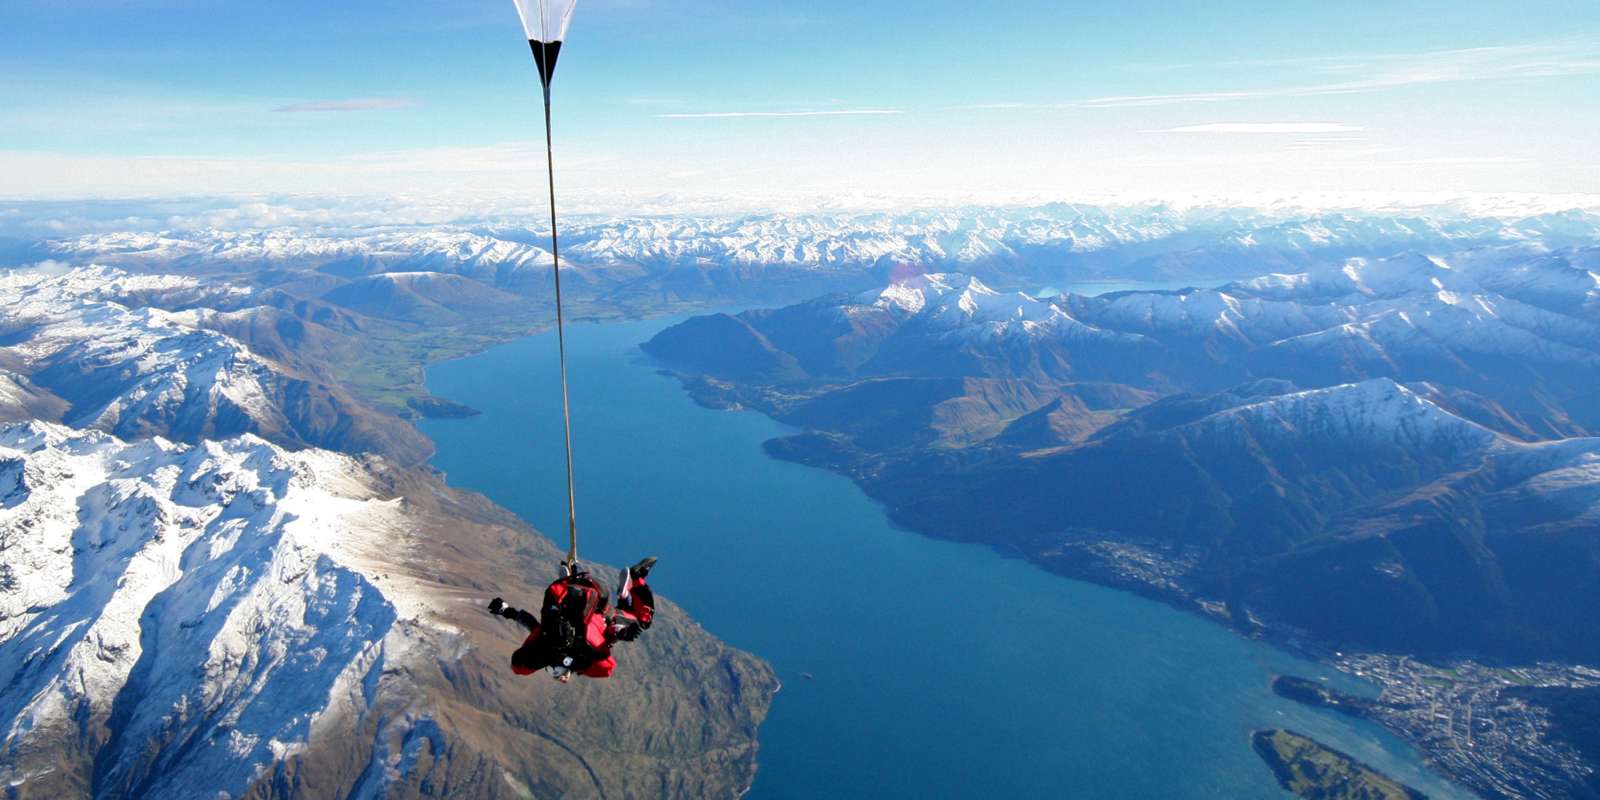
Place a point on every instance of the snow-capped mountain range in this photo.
(66, 324)
(1373, 412)
(1448, 501)
(230, 618)
(1520, 329)
(1414, 432)
(1407, 302)
(220, 601)
(964, 304)
(145, 370)
(1037, 242)
(194, 594)
(198, 600)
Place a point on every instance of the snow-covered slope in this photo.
(451, 249)
(234, 619)
(146, 371)
(1501, 323)
(1276, 307)
(1374, 412)
(137, 369)
(217, 601)
(960, 306)
(21, 400)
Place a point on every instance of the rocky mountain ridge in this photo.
(1020, 244)
(179, 620)
(1379, 460)
(1412, 428)
(198, 596)
(139, 371)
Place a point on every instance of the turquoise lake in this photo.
(939, 670)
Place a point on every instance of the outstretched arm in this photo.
(527, 620)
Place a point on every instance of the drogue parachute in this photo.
(545, 22)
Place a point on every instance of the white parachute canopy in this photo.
(545, 20)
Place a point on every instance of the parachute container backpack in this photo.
(545, 22)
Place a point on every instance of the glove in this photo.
(623, 631)
(496, 605)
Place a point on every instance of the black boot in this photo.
(642, 568)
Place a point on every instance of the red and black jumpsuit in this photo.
(591, 656)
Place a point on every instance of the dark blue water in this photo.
(941, 670)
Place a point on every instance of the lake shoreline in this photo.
(785, 746)
(1144, 572)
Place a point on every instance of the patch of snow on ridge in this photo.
(215, 595)
(909, 295)
(961, 306)
(1377, 410)
(956, 299)
(1576, 482)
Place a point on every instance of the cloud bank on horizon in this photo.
(711, 99)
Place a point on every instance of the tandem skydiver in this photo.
(576, 626)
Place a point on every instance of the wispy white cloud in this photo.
(1387, 71)
(857, 112)
(1266, 127)
(1321, 141)
(1344, 145)
(350, 104)
(1463, 161)
(275, 193)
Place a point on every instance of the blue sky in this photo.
(751, 99)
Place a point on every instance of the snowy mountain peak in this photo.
(81, 356)
(1378, 410)
(954, 300)
(135, 370)
(912, 294)
(221, 594)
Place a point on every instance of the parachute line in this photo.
(561, 339)
(546, 48)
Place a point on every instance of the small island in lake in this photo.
(1316, 772)
(440, 408)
